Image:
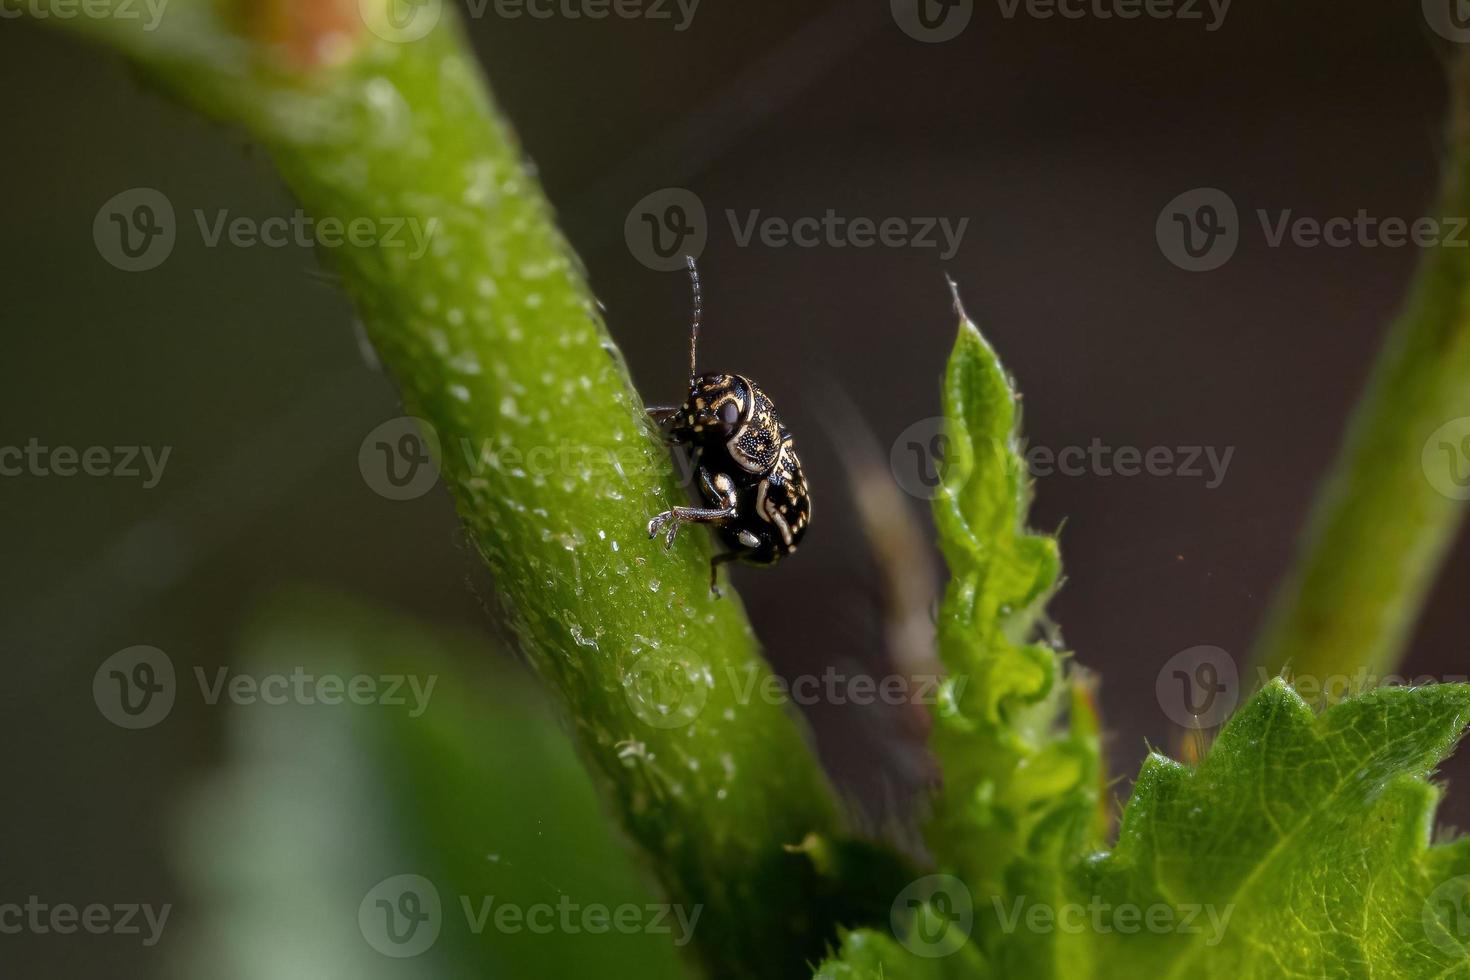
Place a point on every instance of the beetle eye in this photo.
(729, 413)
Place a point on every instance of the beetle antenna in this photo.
(698, 312)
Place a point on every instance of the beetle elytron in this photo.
(749, 475)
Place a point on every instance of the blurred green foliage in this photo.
(482, 794)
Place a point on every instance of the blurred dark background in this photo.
(1059, 140)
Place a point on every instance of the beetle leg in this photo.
(686, 515)
(714, 569)
(717, 489)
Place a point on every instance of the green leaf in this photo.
(1304, 836)
(1303, 841)
(1300, 847)
(1018, 784)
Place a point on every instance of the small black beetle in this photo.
(749, 474)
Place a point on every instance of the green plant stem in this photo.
(1382, 524)
(495, 340)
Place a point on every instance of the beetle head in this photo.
(717, 406)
